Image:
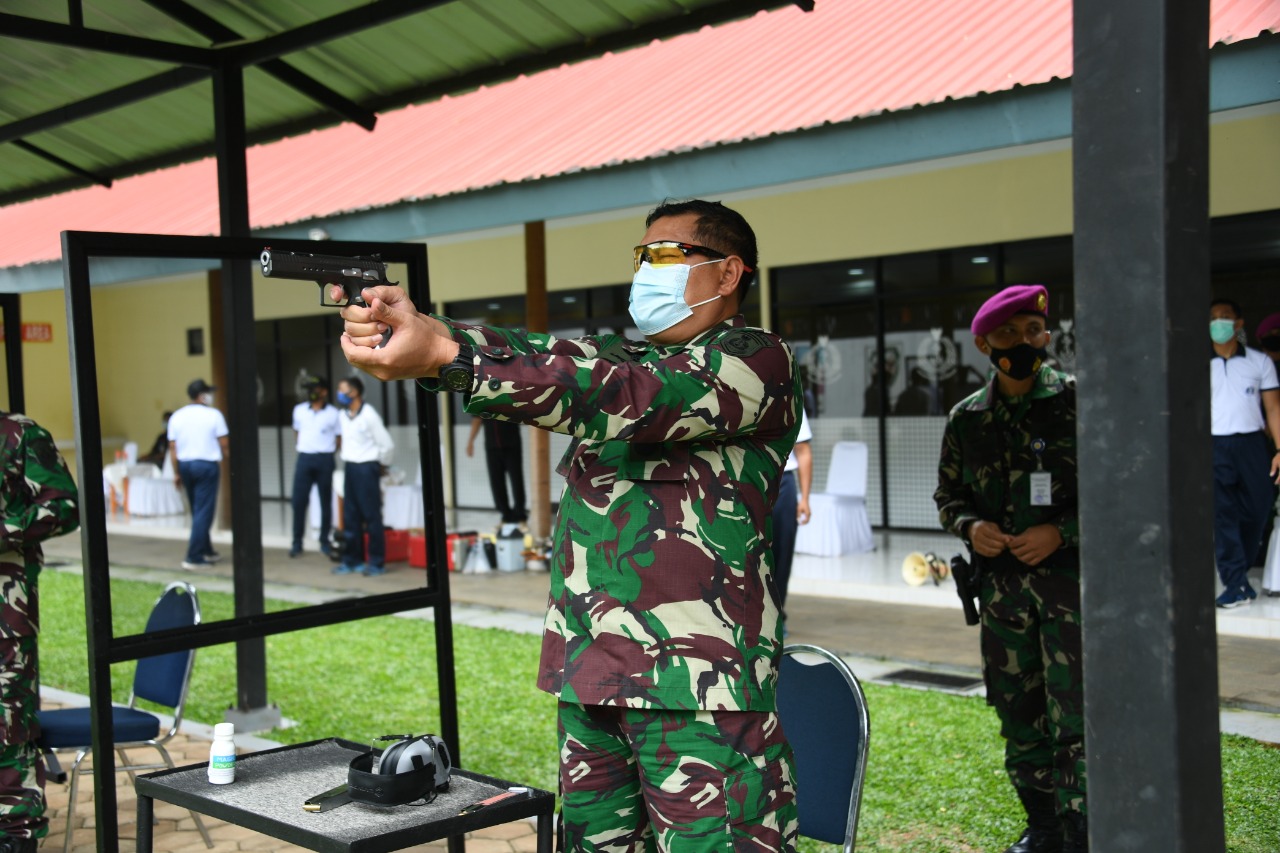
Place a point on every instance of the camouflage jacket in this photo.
(990, 448)
(39, 499)
(662, 594)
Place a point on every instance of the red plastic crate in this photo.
(397, 545)
(456, 547)
(418, 551)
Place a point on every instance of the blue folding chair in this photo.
(162, 679)
(824, 714)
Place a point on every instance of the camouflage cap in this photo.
(1017, 299)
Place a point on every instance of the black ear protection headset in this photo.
(411, 768)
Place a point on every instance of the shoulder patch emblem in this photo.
(744, 343)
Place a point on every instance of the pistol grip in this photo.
(386, 336)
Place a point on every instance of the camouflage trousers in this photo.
(1031, 661)
(22, 772)
(680, 781)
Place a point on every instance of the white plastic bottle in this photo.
(222, 754)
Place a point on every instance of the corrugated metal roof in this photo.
(92, 92)
(777, 72)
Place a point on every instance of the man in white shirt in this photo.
(1243, 387)
(792, 507)
(318, 433)
(366, 450)
(198, 442)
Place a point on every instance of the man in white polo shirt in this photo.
(1245, 398)
(366, 449)
(198, 442)
(318, 434)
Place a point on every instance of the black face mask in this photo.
(1271, 343)
(1019, 362)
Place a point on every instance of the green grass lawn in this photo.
(934, 783)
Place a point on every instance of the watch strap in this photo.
(463, 363)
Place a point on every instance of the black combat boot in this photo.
(1044, 831)
(9, 844)
(1077, 833)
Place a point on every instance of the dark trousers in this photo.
(784, 533)
(1031, 663)
(362, 513)
(1242, 497)
(200, 478)
(312, 468)
(22, 771)
(507, 463)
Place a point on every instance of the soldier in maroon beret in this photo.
(1007, 487)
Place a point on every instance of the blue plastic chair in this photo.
(824, 714)
(162, 679)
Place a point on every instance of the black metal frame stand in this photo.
(78, 247)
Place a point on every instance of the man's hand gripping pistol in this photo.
(353, 274)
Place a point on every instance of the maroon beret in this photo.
(1017, 299)
(1268, 325)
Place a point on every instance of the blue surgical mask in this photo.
(344, 399)
(1222, 330)
(657, 296)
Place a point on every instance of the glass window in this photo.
(936, 366)
(827, 313)
(950, 269)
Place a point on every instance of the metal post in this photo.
(535, 272)
(252, 712)
(1140, 154)
(93, 537)
(11, 304)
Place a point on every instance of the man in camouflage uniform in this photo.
(662, 634)
(1007, 487)
(39, 500)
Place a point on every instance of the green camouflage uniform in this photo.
(662, 592)
(39, 499)
(1031, 647)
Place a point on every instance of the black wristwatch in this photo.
(458, 374)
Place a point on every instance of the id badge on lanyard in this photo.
(1041, 480)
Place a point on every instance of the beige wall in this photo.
(46, 371)
(1244, 163)
(1002, 196)
(140, 333)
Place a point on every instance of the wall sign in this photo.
(33, 333)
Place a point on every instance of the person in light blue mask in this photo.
(663, 634)
(1246, 467)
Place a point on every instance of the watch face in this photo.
(457, 378)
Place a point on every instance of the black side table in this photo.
(271, 786)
